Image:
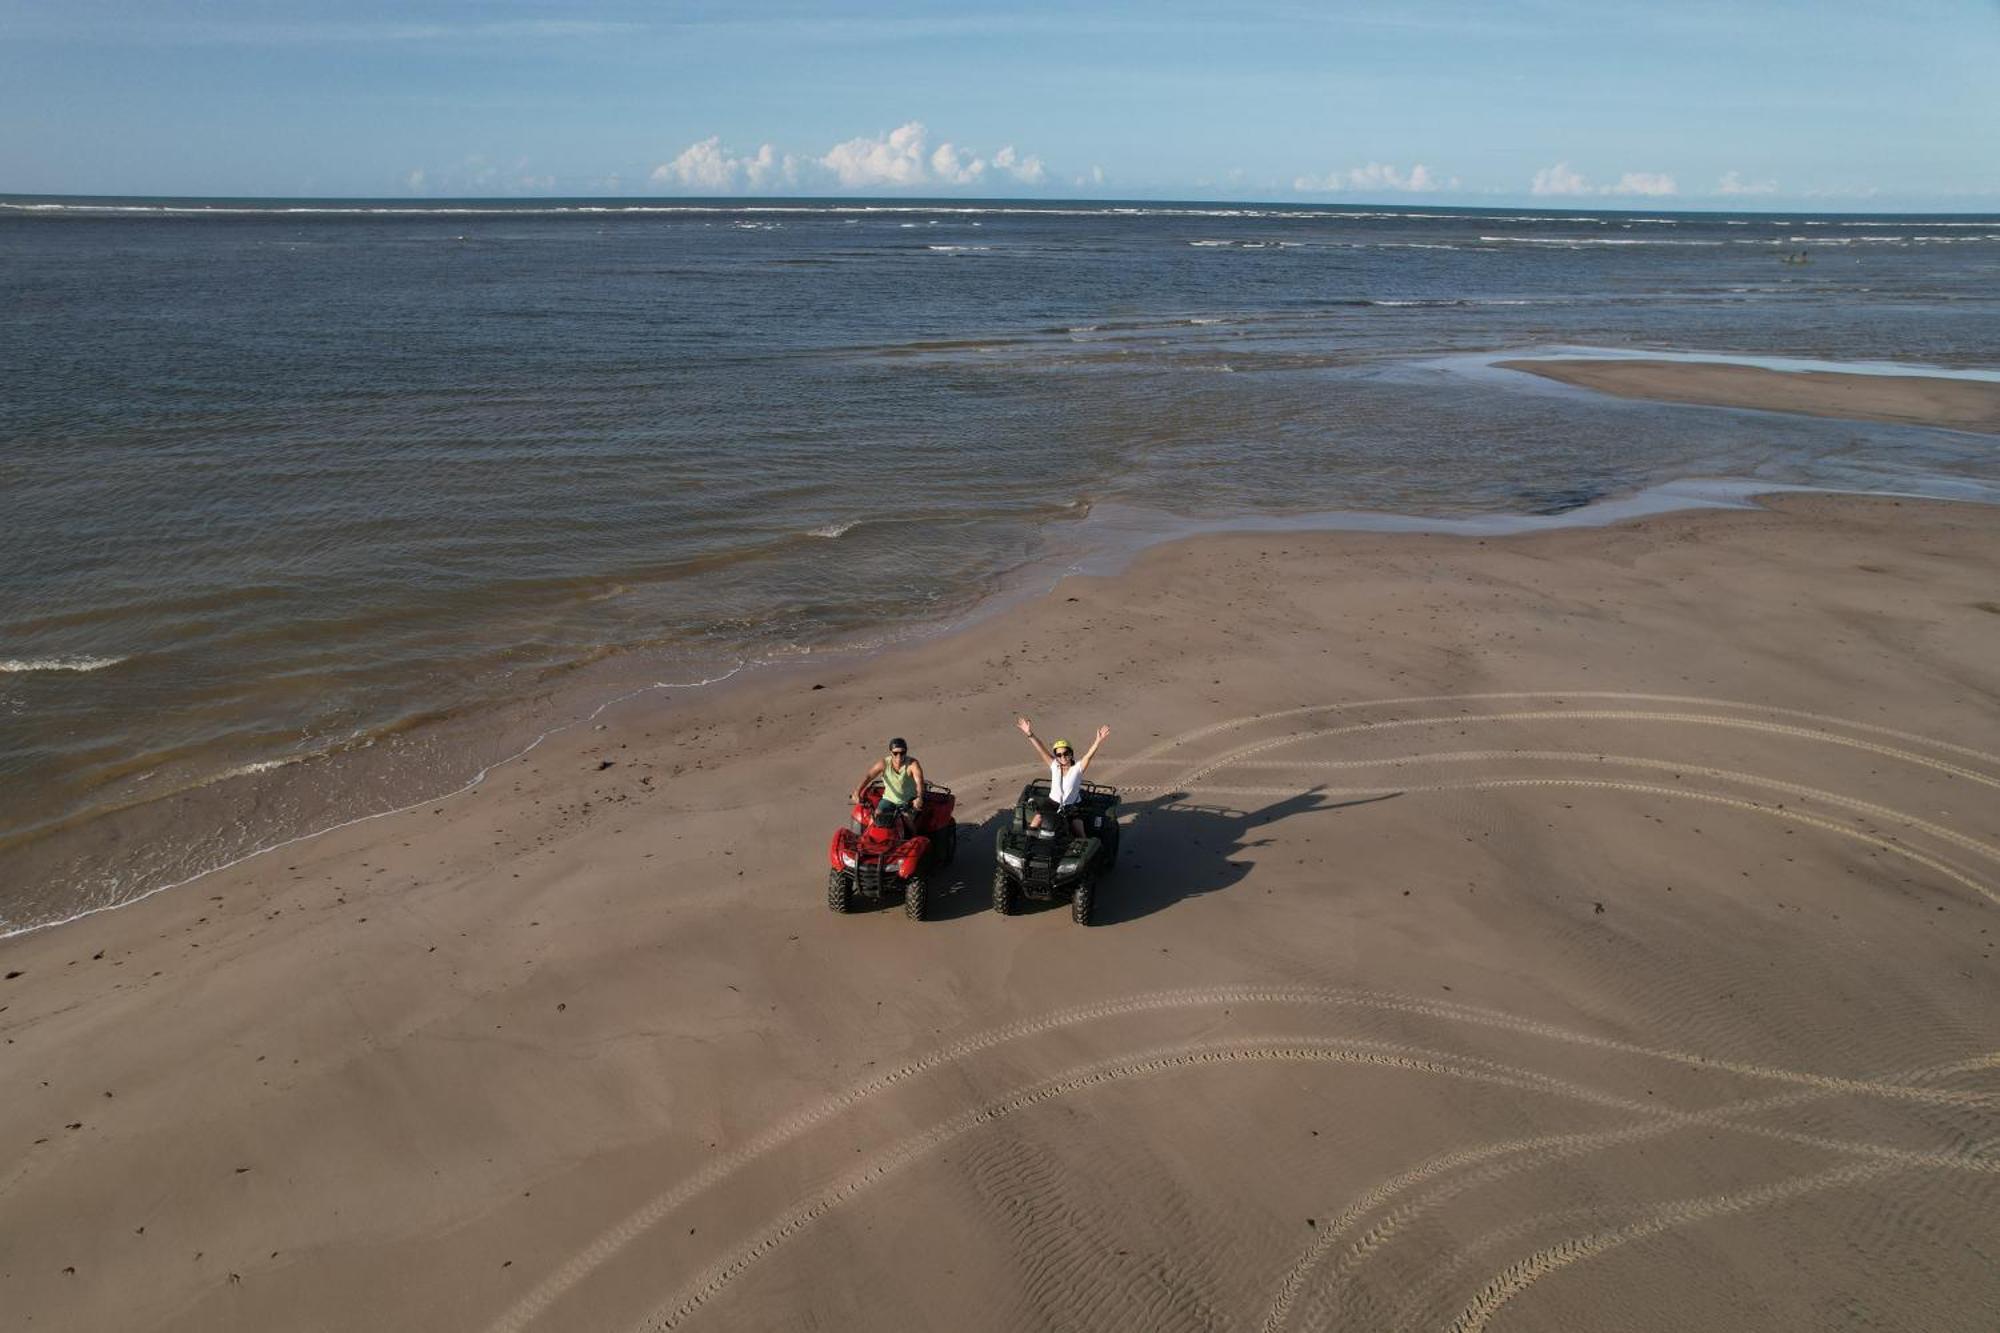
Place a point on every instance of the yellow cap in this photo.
(1061, 744)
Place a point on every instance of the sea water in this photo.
(311, 508)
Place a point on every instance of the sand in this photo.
(1922, 400)
(1581, 930)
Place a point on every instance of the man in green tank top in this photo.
(902, 780)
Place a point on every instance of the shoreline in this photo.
(1941, 401)
(1119, 537)
(150, 816)
(1636, 796)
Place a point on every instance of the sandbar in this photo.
(1914, 400)
(1582, 929)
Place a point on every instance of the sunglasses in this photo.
(897, 754)
(1063, 754)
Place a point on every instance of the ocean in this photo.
(312, 509)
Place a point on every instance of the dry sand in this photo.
(1921, 400)
(1585, 930)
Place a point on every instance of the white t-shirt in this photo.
(1063, 787)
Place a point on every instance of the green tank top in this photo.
(898, 788)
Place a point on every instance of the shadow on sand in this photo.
(1173, 847)
(965, 887)
(1176, 848)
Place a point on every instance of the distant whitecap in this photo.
(19, 664)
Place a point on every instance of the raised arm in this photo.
(917, 772)
(874, 771)
(1091, 753)
(1034, 740)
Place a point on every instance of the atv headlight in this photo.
(847, 859)
(1011, 858)
(1066, 868)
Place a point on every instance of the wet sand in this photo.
(1579, 930)
(1919, 400)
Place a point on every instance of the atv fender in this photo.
(910, 856)
(840, 852)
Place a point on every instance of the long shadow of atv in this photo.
(1186, 848)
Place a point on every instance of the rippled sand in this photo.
(1586, 929)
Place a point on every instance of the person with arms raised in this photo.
(1065, 775)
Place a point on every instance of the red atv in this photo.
(880, 851)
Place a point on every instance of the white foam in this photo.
(18, 664)
(834, 529)
(954, 249)
(1429, 302)
(1591, 240)
(259, 766)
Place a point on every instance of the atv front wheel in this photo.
(839, 890)
(913, 897)
(1080, 899)
(1006, 896)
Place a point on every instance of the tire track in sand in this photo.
(686, 1303)
(1574, 715)
(1588, 757)
(1427, 1294)
(1517, 1277)
(1509, 1158)
(650, 1214)
(1305, 710)
(1679, 793)
(1153, 752)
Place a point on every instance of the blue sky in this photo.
(1772, 103)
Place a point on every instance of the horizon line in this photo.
(960, 201)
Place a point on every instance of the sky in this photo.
(1839, 105)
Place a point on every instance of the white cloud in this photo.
(1732, 182)
(1376, 176)
(1559, 179)
(956, 168)
(896, 158)
(901, 158)
(1643, 182)
(415, 180)
(709, 168)
(1026, 168)
(770, 167)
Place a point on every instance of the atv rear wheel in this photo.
(839, 890)
(1006, 895)
(913, 897)
(1080, 898)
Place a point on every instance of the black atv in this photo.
(1050, 861)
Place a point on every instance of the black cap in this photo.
(898, 743)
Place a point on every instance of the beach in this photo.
(381, 492)
(1580, 929)
(1928, 400)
